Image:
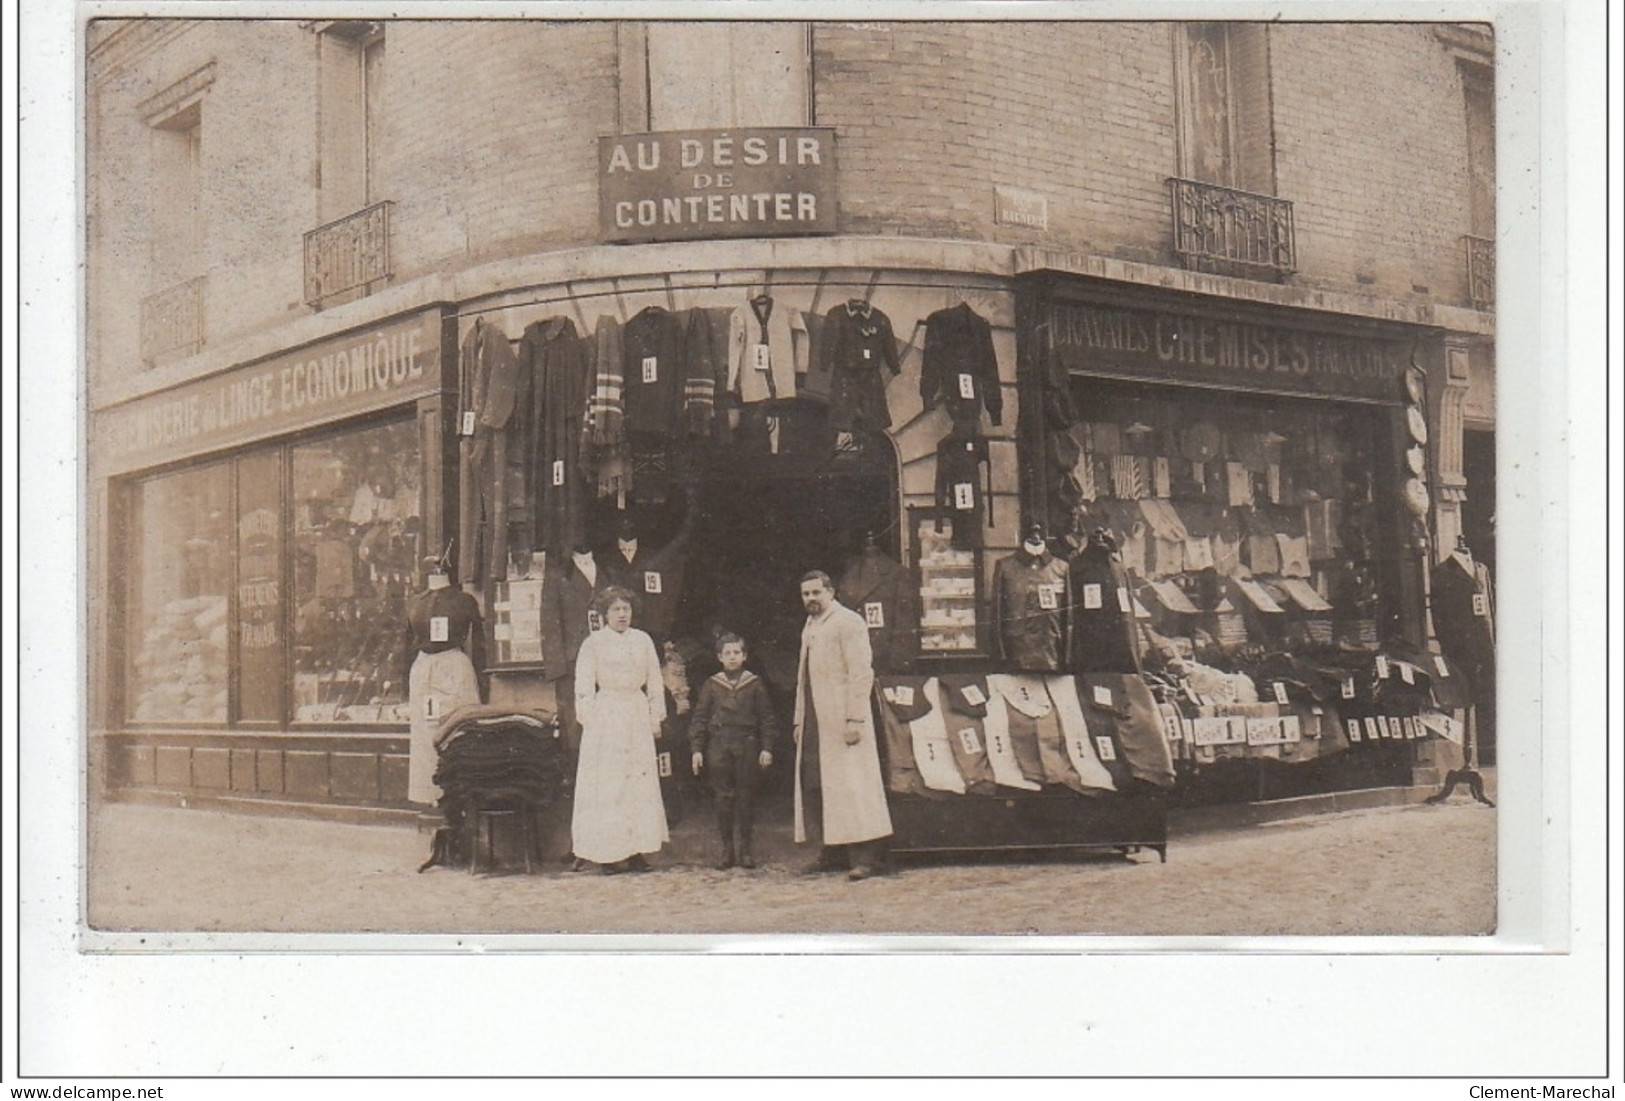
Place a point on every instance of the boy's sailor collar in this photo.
(745, 677)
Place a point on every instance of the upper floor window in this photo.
(712, 75)
(351, 106)
(175, 119)
(1478, 85)
(1226, 124)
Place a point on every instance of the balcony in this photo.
(350, 254)
(172, 322)
(1480, 272)
(1228, 232)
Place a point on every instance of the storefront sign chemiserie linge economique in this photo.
(1086, 338)
(355, 373)
(687, 185)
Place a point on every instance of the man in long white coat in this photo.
(837, 754)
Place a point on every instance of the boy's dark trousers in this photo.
(730, 759)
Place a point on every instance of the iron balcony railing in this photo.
(172, 321)
(1480, 272)
(350, 253)
(1230, 232)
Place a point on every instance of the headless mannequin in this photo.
(585, 562)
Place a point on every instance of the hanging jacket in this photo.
(1085, 753)
(1104, 631)
(654, 578)
(699, 375)
(859, 347)
(654, 372)
(1463, 617)
(1029, 608)
(606, 412)
(882, 591)
(964, 481)
(785, 335)
(960, 367)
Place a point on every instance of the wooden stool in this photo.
(483, 817)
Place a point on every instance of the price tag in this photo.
(431, 707)
(1481, 605)
(905, 695)
(1371, 728)
(651, 582)
(558, 472)
(1354, 730)
(1440, 666)
(1101, 695)
(1104, 747)
(1410, 726)
(1348, 688)
(967, 387)
(874, 614)
(1291, 729)
(973, 695)
(1280, 692)
(964, 495)
(759, 356)
(439, 628)
(594, 621)
(1122, 601)
(868, 353)
(1091, 596)
(468, 423)
(1406, 673)
(663, 764)
(1382, 667)
(651, 369)
(968, 739)
(1047, 598)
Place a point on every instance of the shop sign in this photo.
(359, 372)
(1013, 206)
(1175, 347)
(688, 185)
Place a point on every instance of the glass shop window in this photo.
(177, 631)
(357, 539)
(1243, 521)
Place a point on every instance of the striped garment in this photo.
(606, 408)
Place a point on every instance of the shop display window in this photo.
(179, 588)
(1245, 522)
(273, 587)
(356, 545)
(950, 589)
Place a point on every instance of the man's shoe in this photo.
(746, 860)
(860, 871)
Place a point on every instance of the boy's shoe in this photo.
(828, 861)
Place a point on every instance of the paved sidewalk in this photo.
(1397, 870)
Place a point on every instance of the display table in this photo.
(1056, 818)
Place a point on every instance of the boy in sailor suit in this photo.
(732, 732)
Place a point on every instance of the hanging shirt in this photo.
(959, 366)
(961, 493)
(767, 347)
(859, 348)
(1029, 607)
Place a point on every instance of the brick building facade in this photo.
(264, 195)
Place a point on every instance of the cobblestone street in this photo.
(1371, 872)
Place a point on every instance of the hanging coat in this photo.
(567, 615)
(655, 579)
(654, 372)
(1029, 605)
(859, 348)
(560, 366)
(834, 685)
(882, 592)
(959, 366)
(490, 373)
(1104, 632)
